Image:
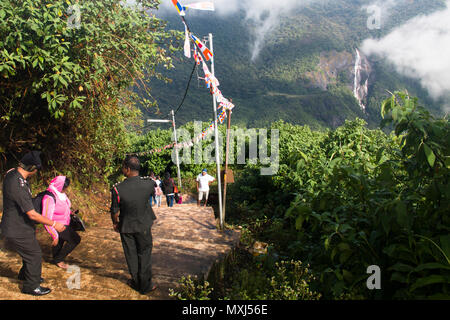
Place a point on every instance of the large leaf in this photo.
(399, 277)
(433, 279)
(431, 158)
(431, 265)
(445, 245)
(401, 267)
(403, 218)
(385, 218)
(299, 222)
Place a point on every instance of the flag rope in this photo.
(211, 81)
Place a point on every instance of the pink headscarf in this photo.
(56, 187)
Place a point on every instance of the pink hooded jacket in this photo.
(58, 210)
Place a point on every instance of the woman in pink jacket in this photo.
(58, 210)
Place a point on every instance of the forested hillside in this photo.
(304, 73)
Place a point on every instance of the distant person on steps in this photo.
(168, 186)
(153, 198)
(158, 191)
(203, 182)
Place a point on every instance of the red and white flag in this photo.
(204, 49)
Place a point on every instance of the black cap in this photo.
(31, 161)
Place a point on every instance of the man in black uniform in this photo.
(19, 219)
(131, 197)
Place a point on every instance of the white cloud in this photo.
(263, 15)
(446, 108)
(419, 49)
(223, 7)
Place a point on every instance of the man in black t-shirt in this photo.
(131, 198)
(19, 220)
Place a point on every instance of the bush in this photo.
(191, 289)
(379, 200)
(352, 197)
(66, 90)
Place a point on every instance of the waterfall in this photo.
(359, 91)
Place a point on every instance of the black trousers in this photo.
(31, 254)
(137, 248)
(68, 240)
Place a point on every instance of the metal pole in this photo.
(176, 149)
(216, 133)
(226, 164)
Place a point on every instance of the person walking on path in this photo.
(153, 198)
(168, 186)
(57, 208)
(158, 191)
(132, 216)
(19, 222)
(203, 182)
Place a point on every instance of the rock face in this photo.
(331, 67)
(354, 71)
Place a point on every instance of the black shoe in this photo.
(39, 291)
(132, 284)
(153, 288)
(22, 277)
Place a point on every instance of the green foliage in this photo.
(374, 200)
(66, 89)
(283, 280)
(153, 139)
(341, 201)
(161, 162)
(191, 289)
(291, 282)
(352, 197)
(259, 278)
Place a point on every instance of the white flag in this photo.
(201, 6)
(187, 43)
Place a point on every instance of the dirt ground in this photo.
(191, 249)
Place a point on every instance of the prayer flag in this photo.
(180, 8)
(204, 49)
(197, 57)
(210, 80)
(201, 6)
(187, 42)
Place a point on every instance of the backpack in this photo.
(158, 191)
(37, 201)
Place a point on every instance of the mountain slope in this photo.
(304, 74)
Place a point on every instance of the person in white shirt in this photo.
(203, 182)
